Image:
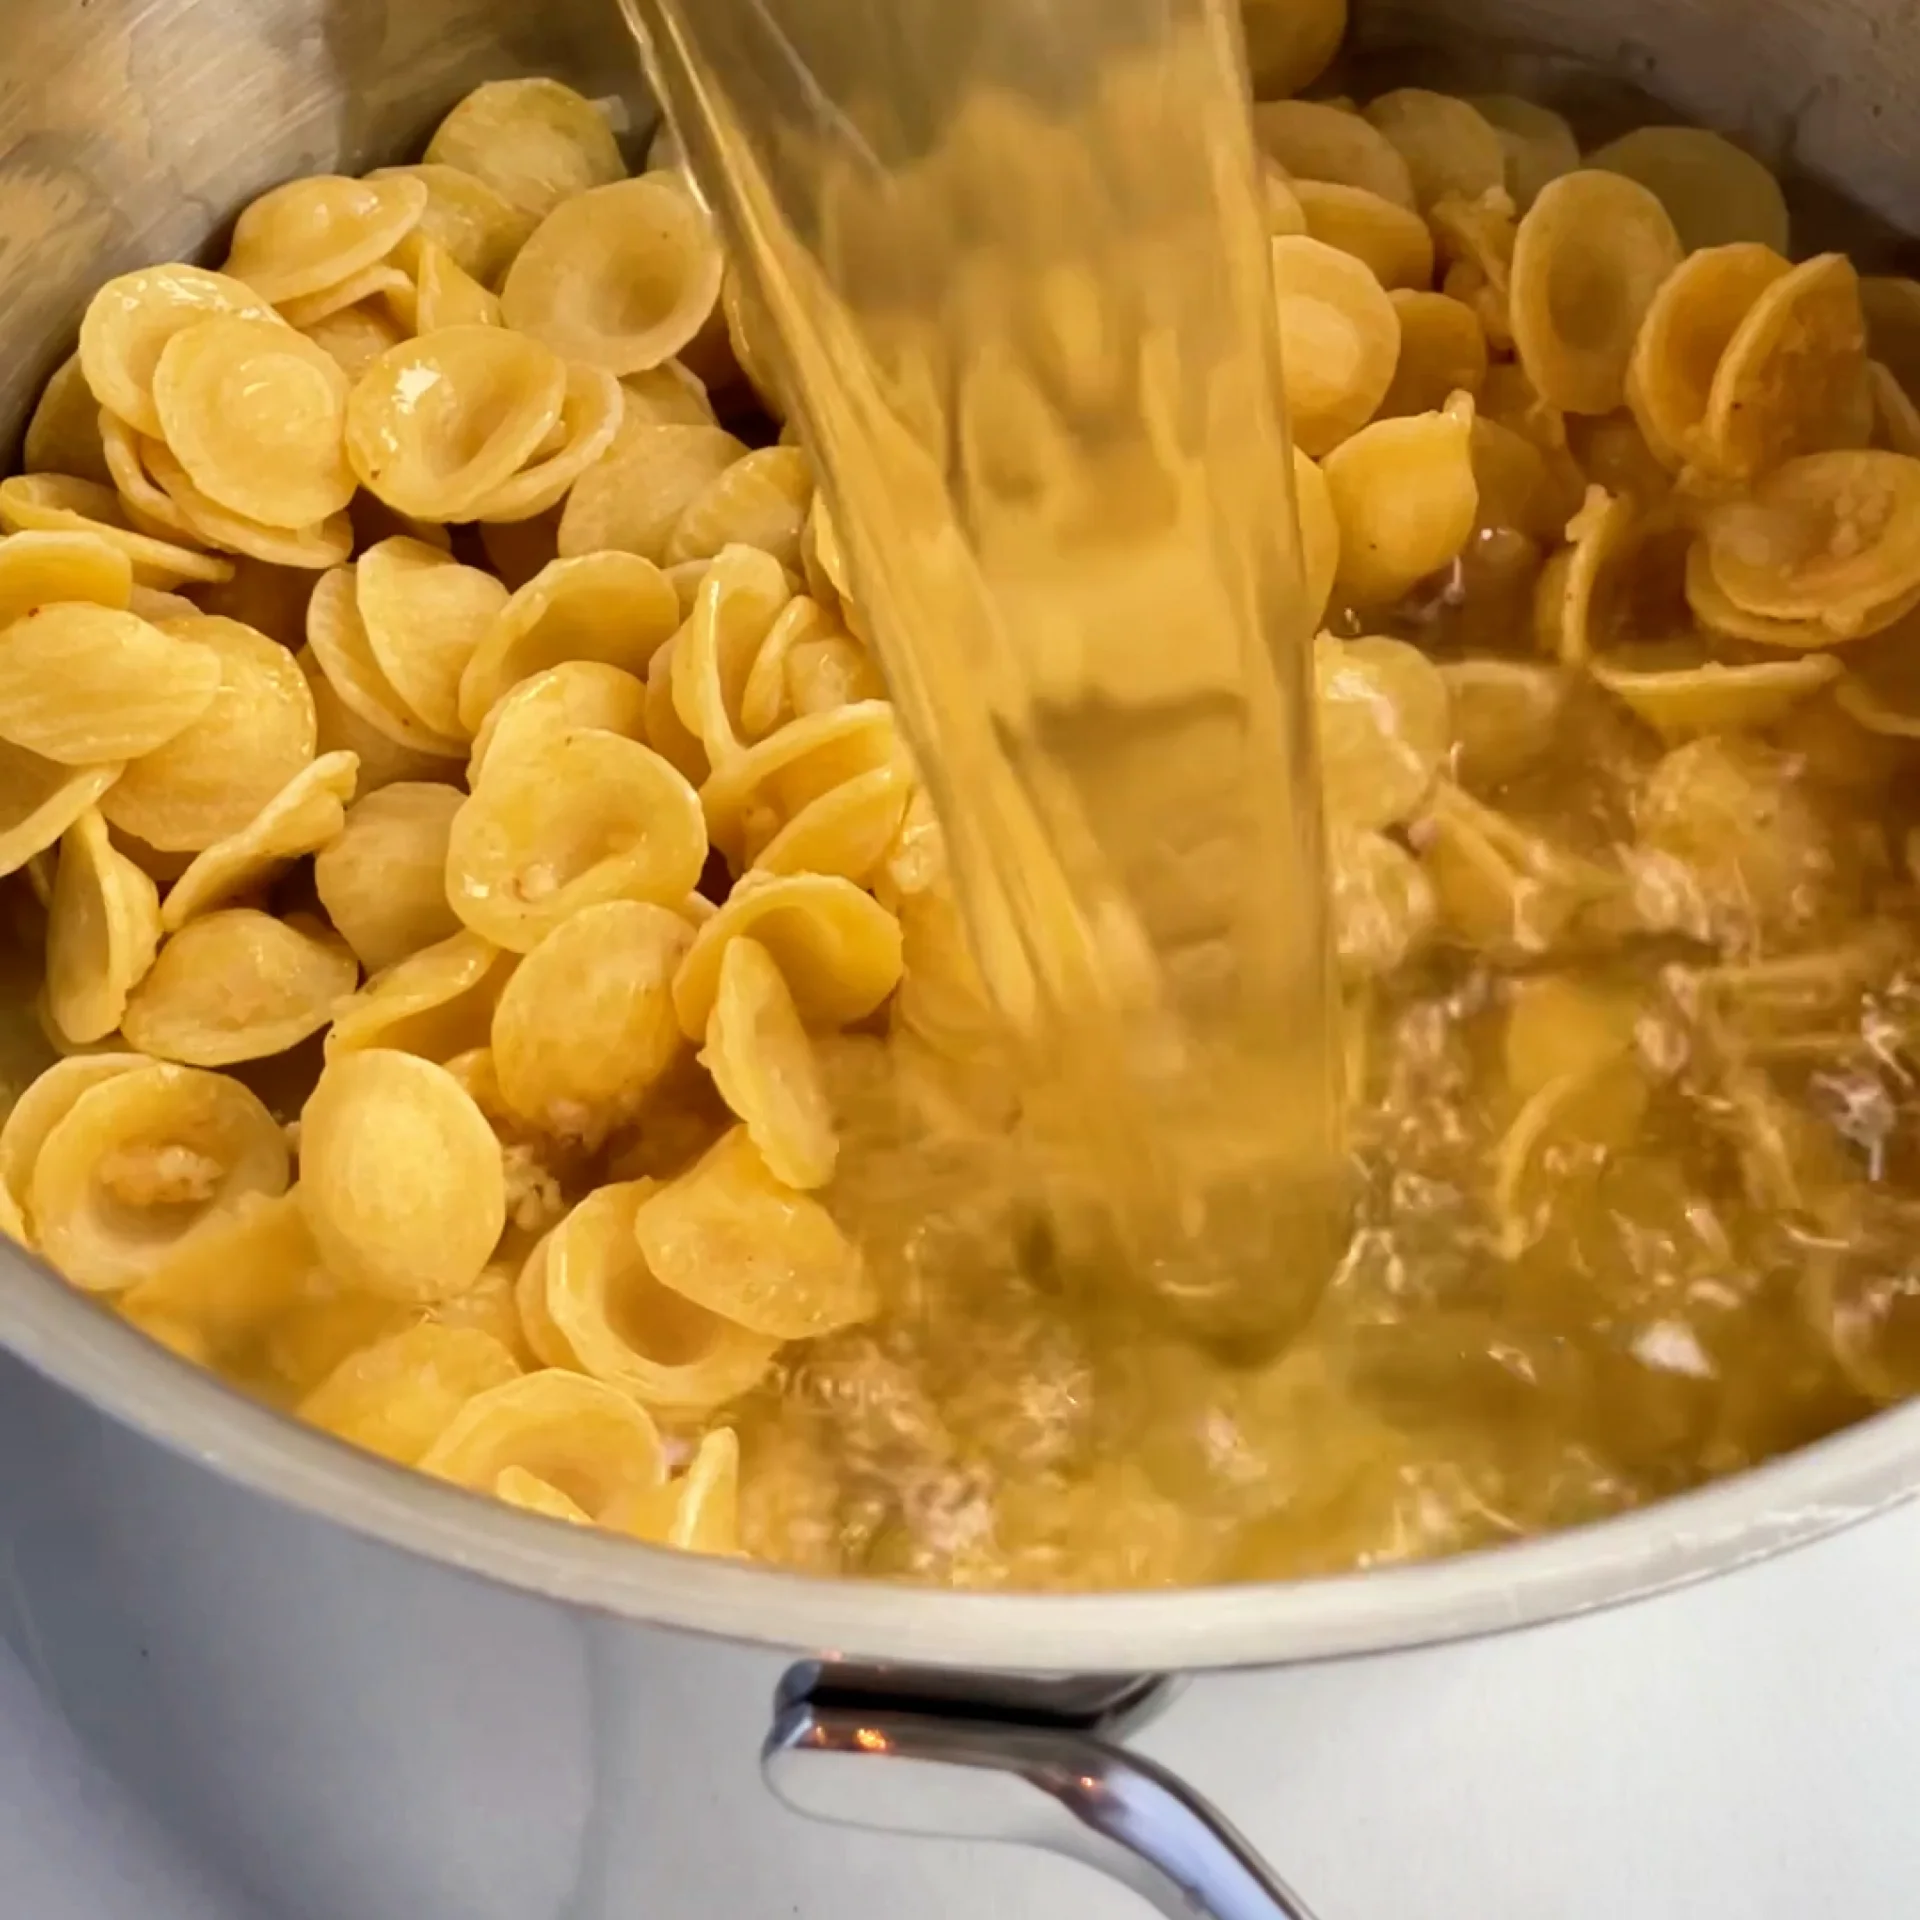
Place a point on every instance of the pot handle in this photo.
(1035, 1762)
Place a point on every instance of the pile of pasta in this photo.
(510, 1004)
(460, 808)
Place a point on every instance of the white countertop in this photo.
(1742, 1751)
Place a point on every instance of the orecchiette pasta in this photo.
(534, 143)
(313, 234)
(1339, 341)
(437, 1003)
(1716, 194)
(397, 1396)
(103, 927)
(632, 498)
(383, 878)
(425, 615)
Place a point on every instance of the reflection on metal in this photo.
(1031, 1762)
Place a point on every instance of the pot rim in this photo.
(72, 1340)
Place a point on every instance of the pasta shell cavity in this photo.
(1406, 499)
(1793, 377)
(1385, 728)
(84, 685)
(586, 1026)
(140, 1162)
(591, 410)
(40, 1108)
(577, 693)
(397, 1396)
(533, 143)
(623, 1327)
(1590, 256)
(400, 1175)
(779, 777)
(1339, 339)
(239, 985)
(731, 1238)
(425, 616)
(131, 320)
(1831, 539)
(838, 950)
(256, 414)
(610, 607)
(103, 929)
(383, 877)
(436, 425)
(593, 1444)
(215, 776)
(311, 234)
(622, 276)
(593, 817)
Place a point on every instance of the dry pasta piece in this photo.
(44, 1103)
(146, 504)
(622, 276)
(447, 295)
(1291, 43)
(40, 799)
(734, 1239)
(1384, 728)
(300, 819)
(383, 877)
(792, 768)
(1443, 351)
(1578, 601)
(1538, 143)
(238, 985)
(1680, 702)
(740, 600)
(669, 395)
(1474, 241)
(85, 685)
(40, 569)
(355, 337)
(478, 226)
(436, 425)
(763, 1063)
(425, 616)
(612, 607)
(1831, 537)
(1406, 499)
(534, 142)
(699, 1512)
(1716, 194)
(53, 503)
(577, 693)
(1793, 375)
(1383, 905)
(130, 321)
(1506, 718)
(620, 1325)
(64, 434)
(760, 501)
(383, 283)
(589, 817)
(766, 701)
(323, 543)
(311, 234)
(1284, 213)
(214, 776)
(157, 608)
(836, 947)
(667, 733)
(143, 1160)
(344, 651)
(753, 341)
(437, 1003)
(1313, 141)
(231, 1278)
(255, 413)
(592, 1443)
(401, 1176)
(1391, 239)
(590, 416)
(847, 831)
(831, 672)
(382, 760)
(586, 1026)
(1339, 338)
(516, 1487)
(632, 498)
(1684, 338)
(1591, 254)
(396, 1397)
(103, 928)
(1448, 147)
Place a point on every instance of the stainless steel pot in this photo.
(513, 1721)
